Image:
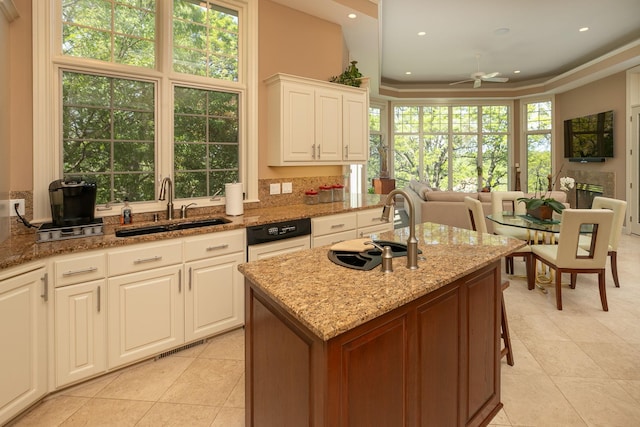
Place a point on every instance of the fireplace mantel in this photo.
(605, 179)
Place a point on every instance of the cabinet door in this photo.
(23, 334)
(214, 296)
(355, 127)
(80, 333)
(145, 314)
(328, 125)
(298, 129)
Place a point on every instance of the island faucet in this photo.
(167, 186)
(412, 242)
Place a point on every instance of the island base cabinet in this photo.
(432, 362)
(23, 333)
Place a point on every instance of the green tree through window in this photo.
(452, 147)
(186, 83)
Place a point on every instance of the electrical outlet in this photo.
(287, 187)
(12, 204)
(274, 188)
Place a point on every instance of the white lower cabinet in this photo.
(214, 300)
(80, 331)
(23, 334)
(146, 314)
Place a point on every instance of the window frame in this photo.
(524, 134)
(509, 103)
(48, 64)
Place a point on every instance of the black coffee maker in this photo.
(73, 201)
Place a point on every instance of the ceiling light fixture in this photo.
(352, 16)
(408, 73)
(501, 31)
(583, 29)
(516, 72)
(422, 33)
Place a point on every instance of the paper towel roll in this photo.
(233, 195)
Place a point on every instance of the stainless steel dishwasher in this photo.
(278, 238)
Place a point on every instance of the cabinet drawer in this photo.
(214, 244)
(70, 270)
(331, 239)
(333, 224)
(144, 257)
(370, 217)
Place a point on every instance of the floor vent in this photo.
(179, 349)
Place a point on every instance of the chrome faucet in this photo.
(412, 242)
(167, 186)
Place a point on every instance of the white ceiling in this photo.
(542, 40)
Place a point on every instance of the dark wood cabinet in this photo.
(432, 362)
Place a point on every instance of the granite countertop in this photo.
(23, 248)
(330, 299)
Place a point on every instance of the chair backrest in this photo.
(619, 208)
(476, 215)
(498, 199)
(569, 254)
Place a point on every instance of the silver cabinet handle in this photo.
(180, 281)
(376, 219)
(45, 289)
(313, 151)
(77, 272)
(215, 248)
(190, 278)
(99, 297)
(337, 226)
(143, 260)
(318, 151)
(346, 151)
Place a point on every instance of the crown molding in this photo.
(9, 10)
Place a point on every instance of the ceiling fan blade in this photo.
(461, 81)
(477, 83)
(497, 79)
(490, 75)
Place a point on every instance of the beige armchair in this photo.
(568, 257)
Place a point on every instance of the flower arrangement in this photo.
(542, 206)
(350, 77)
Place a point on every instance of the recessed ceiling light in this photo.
(352, 16)
(422, 33)
(408, 73)
(501, 31)
(583, 29)
(516, 72)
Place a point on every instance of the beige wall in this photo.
(21, 114)
(4, 127)
(603, 95)
(295, 43)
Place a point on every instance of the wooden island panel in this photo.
(434, 361)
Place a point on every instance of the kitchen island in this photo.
(332, 346)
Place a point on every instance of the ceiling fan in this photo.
(480, 76)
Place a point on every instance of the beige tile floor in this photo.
(576, 367)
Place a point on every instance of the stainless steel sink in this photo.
(162, 228)
(368, 259)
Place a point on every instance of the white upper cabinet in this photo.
(311, 122)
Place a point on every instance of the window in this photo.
(145, 89)
(452, 147)
(538, 131)
(377, 165)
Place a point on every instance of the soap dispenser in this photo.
(126, 215)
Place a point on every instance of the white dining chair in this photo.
(477, 222)
(568, 257)
(619, 208)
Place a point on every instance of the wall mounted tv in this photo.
(589, 138)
